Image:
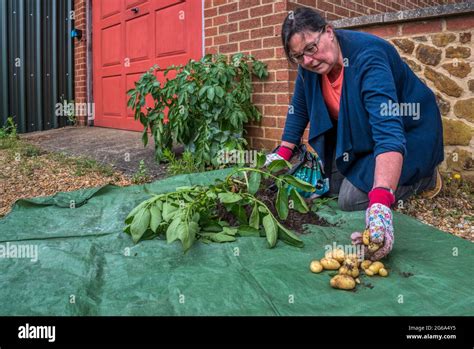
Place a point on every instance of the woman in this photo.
(373, 123)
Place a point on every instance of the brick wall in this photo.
(254, 26)
(440, 52)
(80, 70)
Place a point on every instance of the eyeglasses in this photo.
(309, 51)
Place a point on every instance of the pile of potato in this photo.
(348, 267)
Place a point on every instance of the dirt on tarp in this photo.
(295, 221)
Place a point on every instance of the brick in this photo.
(272, 42)
(210, 31)
(258, 98)
(261, 32)
(282, 75)
(273, 133)
(281, 122)
(383, 31)
(240, 36)
(219, 20)
(212, 12)
(238, 16)
(208, 23)
(430, 26)
(277, 64)
(280, 6)
(325, 6)
(208, 42)
(341, 11)
(268, 121)
(284, 98)
(232, 7)
(261, 10)
(250, 24)
(460, 23)
(219, 2)
(207, 3)
(263, 54)
(251, 45)
(267, 144)
(228, 28)
(276, 110)
(248, 3)
(220, 40)
(273, 19)
(276, 87)
(254, 131)
(228, 48)
(257, 87)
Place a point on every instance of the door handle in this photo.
(135, 10)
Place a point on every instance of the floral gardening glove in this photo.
(377, 239)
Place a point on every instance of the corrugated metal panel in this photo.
(36, 61)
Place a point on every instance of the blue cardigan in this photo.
(376, 81)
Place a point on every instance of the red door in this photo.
(129, 37)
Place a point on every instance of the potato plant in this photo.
(190, 214)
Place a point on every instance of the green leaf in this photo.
(254, 220)
(229, 198)
(188, 234)
(169, 211)
(221, 237)
(278, 165)
(239, 213)
(203, 90)
(271, 230)
(299, 203)
(140, 224)
(132, 213)
(173, 233)
(156, 217)
(246, 230)
(210, 93)
(289, 237)
(282, 203)
(254, 182)
(261, 158)
(220, 92)
(298, 183)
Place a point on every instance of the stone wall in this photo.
(440, 52)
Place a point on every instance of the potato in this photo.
(344, 271)
(365, 264)
(330, 264)
(383, 272)
(337, 254)
(351, 263)
(373, 247)
(366, 237)
(316, 267)
(375, 267)
(343, 282)
(354, 272)
(369, 272)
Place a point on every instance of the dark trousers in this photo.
(352, 198)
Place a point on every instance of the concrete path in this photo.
(121, 149)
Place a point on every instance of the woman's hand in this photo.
(379, 222)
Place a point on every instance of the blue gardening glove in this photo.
(379, 242)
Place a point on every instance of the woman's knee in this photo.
(351, 198)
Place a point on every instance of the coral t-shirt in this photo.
(332, 93)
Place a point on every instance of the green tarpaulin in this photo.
(86, 265)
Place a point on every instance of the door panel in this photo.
(130, 36)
